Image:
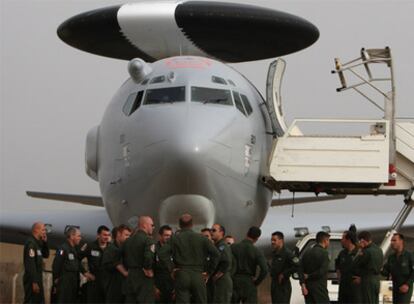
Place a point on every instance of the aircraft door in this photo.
(273, 96)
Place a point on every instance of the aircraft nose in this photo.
(206, 138)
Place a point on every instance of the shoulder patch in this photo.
(31, 253)
(83, 248)
(95, 253)
(221, 248)
(152, 248)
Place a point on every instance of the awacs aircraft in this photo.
(186, 133)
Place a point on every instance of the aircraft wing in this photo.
(73, 198)
(15, 225)
(303, 200)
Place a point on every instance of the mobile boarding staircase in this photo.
(376, 161)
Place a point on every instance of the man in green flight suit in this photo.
(367, 268)
(66, 268)
(189, 252)
(400, 267)
(221, 279)
(284, 264)
(314, 271)
(247, 258)
(35, 249)
(349, 292)
(139, 254)
(95, 291)
(163, 266)
(115, 274)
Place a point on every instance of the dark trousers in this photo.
(140, 289)
(244, 290)
(349, 292)
(223, 289)
(95, 291)
(317, 292)
(401, 298)
(370, 287)
(67, 288)
(30, 296)
(165, 284)
(280, 292)
(190, 287)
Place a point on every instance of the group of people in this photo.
(125, 266)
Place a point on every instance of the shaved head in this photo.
(146, 224)
(36, 226)
(186, 221)
(39, 230)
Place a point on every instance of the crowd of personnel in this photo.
(125, 266)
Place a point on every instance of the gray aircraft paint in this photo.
(202, 158)
(44, 125)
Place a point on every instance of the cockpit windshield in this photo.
(164, 95)
(209, 95)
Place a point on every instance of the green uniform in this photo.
(315, 263)
(162, 271)
(139, 252)
(349, 292)
(368, 266)
(223, 287)
(247, 258)
(401, 270)
(190, 251)
(286, 263)
(95, 291)
(33, 254)
(113, 280)
(66, 269)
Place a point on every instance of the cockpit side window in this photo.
(238, 102)
(133, 103)
(164, 95)
(247, 104)
(145, 81)
(210, 95)
(231, 82)
(158, 79)
(219, 80)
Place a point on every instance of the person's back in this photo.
(189, 252)
(247, 258)
(190, 249)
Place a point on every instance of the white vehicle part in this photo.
(333, 158)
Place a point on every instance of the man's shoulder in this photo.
(30, 242)
(222, 246)
(287, 252)
(112, 247)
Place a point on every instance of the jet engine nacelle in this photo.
(91, 153)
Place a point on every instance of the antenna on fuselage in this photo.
(138, 69)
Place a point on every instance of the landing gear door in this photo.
(273, 96)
